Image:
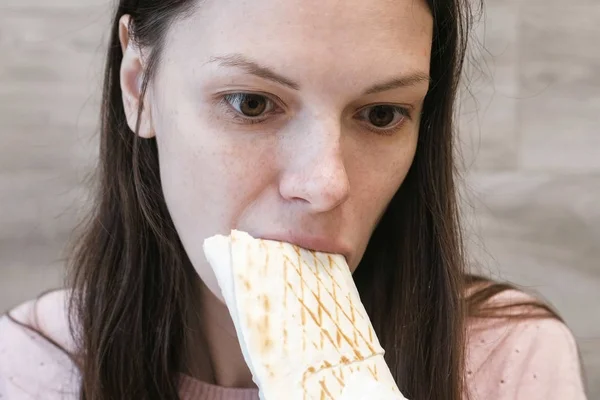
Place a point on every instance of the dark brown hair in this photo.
(130, 274)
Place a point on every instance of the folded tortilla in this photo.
(301, 325)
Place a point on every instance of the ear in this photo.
(131, 76)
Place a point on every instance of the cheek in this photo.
(383, 170)
(198, 175)
(207, 172)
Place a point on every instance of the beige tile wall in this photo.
(529, 134)
(50, 68)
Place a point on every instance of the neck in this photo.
(213, 351)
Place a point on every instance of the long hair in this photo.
(130, 275)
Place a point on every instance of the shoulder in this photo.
(47, 314)
(32, 362)
(522, 356)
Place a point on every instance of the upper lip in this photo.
(310, 242)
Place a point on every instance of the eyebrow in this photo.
(237, 60)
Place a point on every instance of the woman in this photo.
(327, 124)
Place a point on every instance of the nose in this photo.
(315, 173)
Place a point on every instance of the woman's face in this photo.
(321, 134)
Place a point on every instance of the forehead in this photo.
(315, 38)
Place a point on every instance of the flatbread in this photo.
(301, 325)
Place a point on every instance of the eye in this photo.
(380, 116)
(247, 107)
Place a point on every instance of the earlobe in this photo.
(131, 77)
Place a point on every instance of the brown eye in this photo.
(384, 118)
(248, 104)
(381, 116)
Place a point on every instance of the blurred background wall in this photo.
(529, 136)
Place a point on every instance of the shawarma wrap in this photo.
(301, 325)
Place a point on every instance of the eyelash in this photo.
(227, 99)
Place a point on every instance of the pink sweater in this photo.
(530, 360)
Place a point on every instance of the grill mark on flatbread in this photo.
(313, 371)
(324, 390)
(285, 279)
(305, 375)
(301, 298)
(322, 341)
(262, 245)
(285, 296)
(245, 282)
(374, 372)
(340, 378)
(319, 309)
(320, 305)
(353, 320)
(244, 279)
(270, 370)
(337, 309)
(267, 343)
